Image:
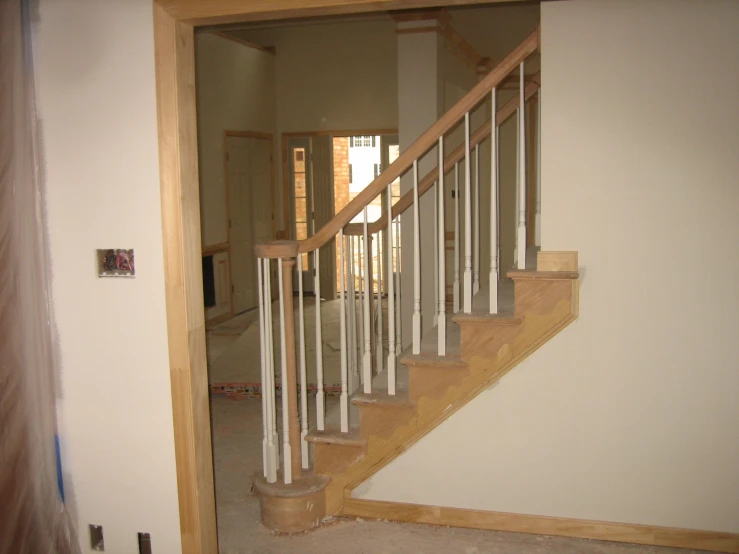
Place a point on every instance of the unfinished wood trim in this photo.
(543, 525)
(215, 249)
(459, 46)
(405, 16)
(180, 197)
(556, 261)
(218, 319)
(483, 132)
(250, 134)
(213, 12)
(340, 133)
(266, 49)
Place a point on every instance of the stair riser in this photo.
(329, 459)
(540, 296)
(486, 340)
(430, 381)
(381, 420)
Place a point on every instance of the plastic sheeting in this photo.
(33, 519)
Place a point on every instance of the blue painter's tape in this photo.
(59, 479)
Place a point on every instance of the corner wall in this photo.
(629, 414)
(235, 92)
(94, 71)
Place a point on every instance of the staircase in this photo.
(392, 397)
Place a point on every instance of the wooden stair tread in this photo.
(333, 435)
(543, 275)
(380, 397)
(490, 319)
(433, 360)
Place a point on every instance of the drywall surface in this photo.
(333, 76)
(94, 71)
(235, 92)
(629, 414)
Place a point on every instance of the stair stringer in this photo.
(545, 317)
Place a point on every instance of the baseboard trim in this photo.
(543, 525)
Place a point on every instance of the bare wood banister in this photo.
(483, 132)
(420, 146)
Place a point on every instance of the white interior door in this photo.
(249, 169)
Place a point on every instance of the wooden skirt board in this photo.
(542, 525)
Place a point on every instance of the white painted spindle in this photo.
(416, 264)
(344, 398)
(351, 316)
(441, 268)
(286, 450)
(390, 297)
(537, 220)
(493, 208)
(467, 297)
(320, 393)
(303, 370)
(263, 360)
(268, 384)
(399, 326)
(435, 194)
(476, 229)
(360, 306)
(521, 234)
(367, 299)
(455, 288)
(379, 347)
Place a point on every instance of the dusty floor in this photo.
(237, 432)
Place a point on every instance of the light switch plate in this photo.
(115, 262)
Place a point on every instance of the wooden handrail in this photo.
(482, 132)
(420, 146)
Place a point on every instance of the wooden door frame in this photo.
(174, 52)
(255, 135)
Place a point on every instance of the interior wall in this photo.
(236, 92)
(629, 414)
(94, 72)
(339, 76)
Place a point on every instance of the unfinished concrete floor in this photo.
(237, 446)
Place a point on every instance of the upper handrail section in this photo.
(424, 143)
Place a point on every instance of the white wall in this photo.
(94, 67)
(630, 414)
(235, 92)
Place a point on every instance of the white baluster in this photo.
(476, 237)
(379, 347)
(493, 208)
(537, 221)
(467, 297)
(441, 268)
(435, 194)
(344, 399)
(390, 297)
(303, 370)
(320, 394)
(286, 450)
(456, 290)
(351, 316)
(263, 360)
(521, 235)
(416, 264)
(268, 385)
(398, 338)
(367, 299)
(360, 304)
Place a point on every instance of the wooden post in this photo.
(290, 387)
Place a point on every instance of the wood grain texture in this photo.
(291, 385)
(178, 168)
(542, 525)
(391, 429)
(292, 508)
(212, 12)
(556, 261)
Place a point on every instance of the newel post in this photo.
(290, 387)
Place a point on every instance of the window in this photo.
(377, 170)
(362, 141)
